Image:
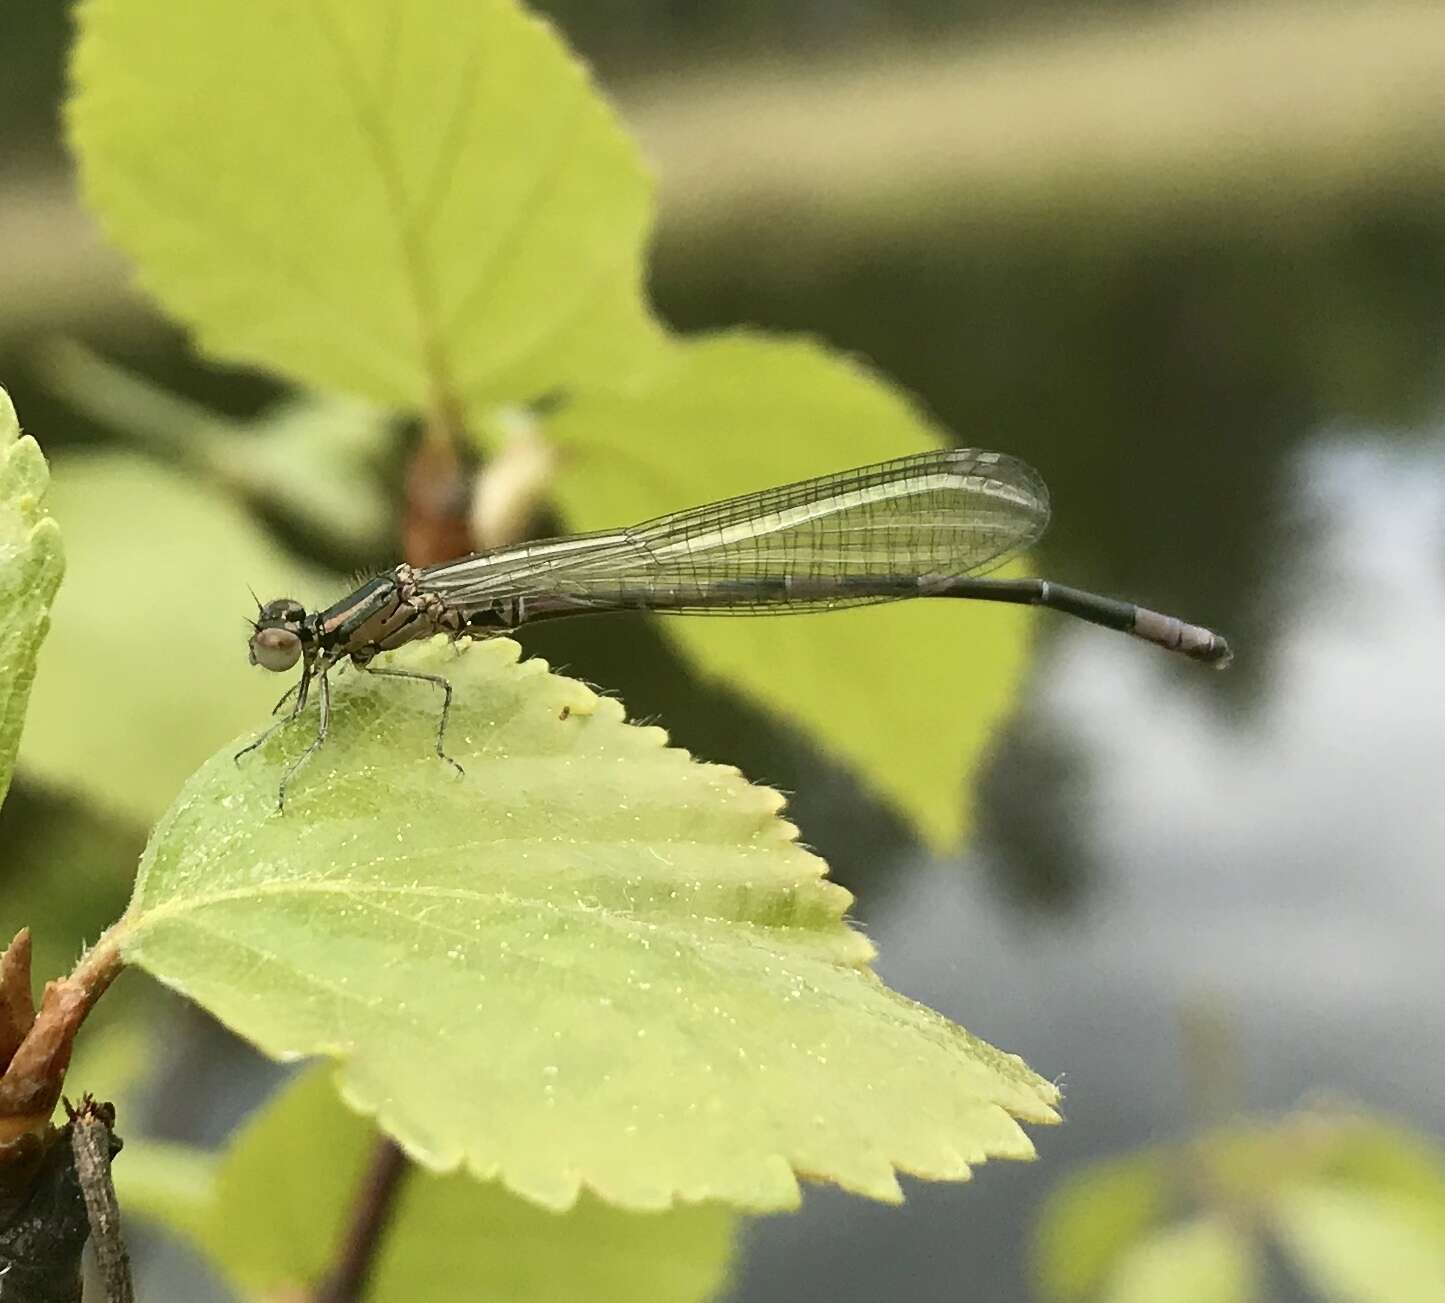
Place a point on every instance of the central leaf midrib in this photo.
(138, 924)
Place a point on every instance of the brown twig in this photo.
(94, 1144)
(375, 1203)
(435, 524)
(34, 1073)
(17, 1000)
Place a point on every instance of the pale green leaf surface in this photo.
(1250, 1162)
(173, 1185)
(31, 564)
(590, 962)
(65, 873)
(313, 460)
(1376, 1153)
(414, 202)
(145, 672)
(1201, 1261)
(910, 693)
(272, 1210)
(1360, 1246)
(1094, 1219)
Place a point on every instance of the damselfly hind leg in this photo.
(299, 689)
(322, 729)
(446, 688)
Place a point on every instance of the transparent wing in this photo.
(864, 535)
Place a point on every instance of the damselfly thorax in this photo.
(929, 525)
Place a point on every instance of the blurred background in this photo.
(1189, 261)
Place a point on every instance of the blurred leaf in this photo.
(272, 1210)
(590, 961)
(1358, 1201)
(1203, 1261)
(312, 462)
(1089, 1223)
(175, 1184)
(65, 873)
(911, 693)
(422, 203)
(1251, 1162)
(31, 563)
(1377, 1154)
(145, 670)
(1359, 1246)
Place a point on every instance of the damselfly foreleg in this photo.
(322, 729)
(299, 690)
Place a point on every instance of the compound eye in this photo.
(275, 649)
(283, 608)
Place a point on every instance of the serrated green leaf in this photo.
(31, 564)
(910, 693)
(590, 962)
(145, 669)
(1091, 1222)
(1355, 1245)
(1203, 1261)
(271, 1213)
(421, 203)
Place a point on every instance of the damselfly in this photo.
(922, 526)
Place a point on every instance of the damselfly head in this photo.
(276, 637)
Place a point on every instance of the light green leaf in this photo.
(1378, 1154)
(312, 460)
(1093, 1220)
(425, 203)
(145, 671)
(275, 1205)
(910, 693)
(1202, 1261)
(31, 564)
(173, 1185)
(315, 461)
(590, 962)
(1359, 1246)
(65, 873)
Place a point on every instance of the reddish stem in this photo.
(373, 1209)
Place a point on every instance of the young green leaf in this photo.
(313, 461)
(145, 672)
(1207, 1260)
(271, 1213)
(1357, 1201)
(31, 563)
(590, 962)
(423, 203)
(1092, 1221)
(1358, 1245)
(910, 694)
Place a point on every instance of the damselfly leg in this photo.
(446, 688)
(321, 731)
(299, 690)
